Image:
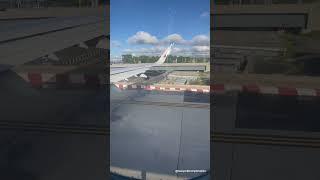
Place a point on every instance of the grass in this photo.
(200, 81)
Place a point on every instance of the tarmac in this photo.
(159, 132)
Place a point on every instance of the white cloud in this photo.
(142, 37)
(204, 14)
(199, 45)
(176, 38)
(200, 40)
(201, 48)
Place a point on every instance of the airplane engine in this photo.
(143, 76)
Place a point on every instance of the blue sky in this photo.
(148, 26)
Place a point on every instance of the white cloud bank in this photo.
(142, 37)
(199, 45)
(145, 38)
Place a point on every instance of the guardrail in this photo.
(47, 80)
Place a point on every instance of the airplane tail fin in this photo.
(164, 55)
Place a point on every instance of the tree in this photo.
(127, 58)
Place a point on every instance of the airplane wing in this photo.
(25, 40)
(123, 73)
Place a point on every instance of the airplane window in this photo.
(160, 88)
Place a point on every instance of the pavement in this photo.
(147, 136)
(62, 133)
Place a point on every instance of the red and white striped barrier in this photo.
(254, 88)
(46, 80)
(205, 89)
(222, 88)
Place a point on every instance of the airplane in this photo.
(124, 73)
(26, 40)
(54, 34)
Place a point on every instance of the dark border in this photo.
(266, 28)
(212, 4)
